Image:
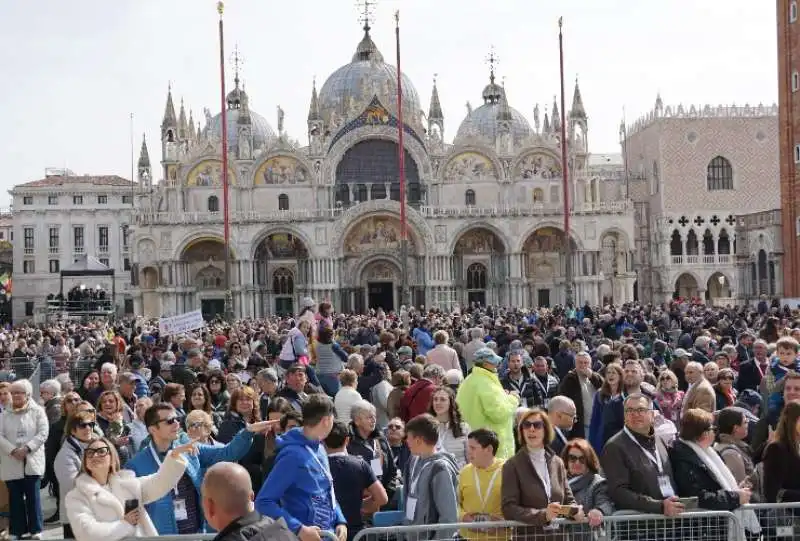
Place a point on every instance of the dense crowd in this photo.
(325, 419)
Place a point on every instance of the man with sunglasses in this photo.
(179, 511)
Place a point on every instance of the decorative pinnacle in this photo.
(220, 8)
(397, 18)
(492, 60)
(367, 12)
(238, 62)
(560, 22)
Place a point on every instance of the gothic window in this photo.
(213, 204)
(283, 282)
(361, 193)
(283, 202)
(378, 191)
(209, 278)
(762, 273)
(476, 276)
(676, 244)
(469, 198)
(724, 243)
(692, 247)
(538, 195)
(708, 242)
(720, 174)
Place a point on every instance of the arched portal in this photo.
(479, 265)
(686, 287)
(205, 271)
(544, 263)
(718, 290)
(370, 168)
(279, 269)
(380, 279)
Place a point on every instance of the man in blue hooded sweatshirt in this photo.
(299, 488)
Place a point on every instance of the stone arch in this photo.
(265, 233)
(576, 239)
(146, 250)
(199, 236)
(283, 281)
(687, 284)
(449, 162)
(209, 277)
(359, 278)
(622, 237)
(412, 146)
(477, 226)
(715, 289)
(419, 229)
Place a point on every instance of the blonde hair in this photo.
(114, 465)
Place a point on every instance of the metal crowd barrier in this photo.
(623, 526)
(777, 520)
(326, 536)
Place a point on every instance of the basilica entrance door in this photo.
(380, 295)
(212, 308)
(543, 300)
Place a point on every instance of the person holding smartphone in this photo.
(107, 501)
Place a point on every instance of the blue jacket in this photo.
(162, 512)
(299, 488)
(424, 341)
(142, 388)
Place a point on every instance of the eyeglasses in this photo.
(195, 426)
(637, 411)
(580, 459)
(395, 427)
(98, 452)
(537, 425)
(169, 420)
(710, 429)
(665, 378)
(87, 424)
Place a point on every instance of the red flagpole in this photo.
(225, 194)
(565, 174)
(401, 159)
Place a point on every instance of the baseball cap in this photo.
(405, 350)
(486, 355)
(680, 352)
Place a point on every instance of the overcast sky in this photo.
(73, 72)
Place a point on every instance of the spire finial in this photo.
(492, 60)
(238, 62)
(367, 8)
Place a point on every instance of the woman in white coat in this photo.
(23, 431)
(96, 507)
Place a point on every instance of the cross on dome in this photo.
(238, 61)
(367, 13)
(492, 60)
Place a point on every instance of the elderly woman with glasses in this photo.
(200, 427)
(108, 503)
(669, 397)
(67, 464)
(23, 432)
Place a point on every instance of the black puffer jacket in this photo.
(256, 527)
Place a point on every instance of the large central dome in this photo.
(366, 76)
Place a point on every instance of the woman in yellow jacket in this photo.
(485, 404)
(479, 487)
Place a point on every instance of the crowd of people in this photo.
(289, 427)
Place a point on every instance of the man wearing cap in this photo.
(485, 404)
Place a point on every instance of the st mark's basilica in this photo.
(484, 207)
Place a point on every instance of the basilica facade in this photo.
(484, 208)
